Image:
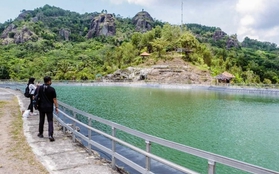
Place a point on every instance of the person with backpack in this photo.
(47, 95)
(32, 88)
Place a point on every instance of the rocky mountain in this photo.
(143, 21)
(102, 25)
(49, 22)
(231, 41)
(90, 45)
(60, 24)
(17, 35)
(214, 35)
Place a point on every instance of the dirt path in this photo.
(16, 155)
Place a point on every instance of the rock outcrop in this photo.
(143, 21)
(65, 34)
(13, 34)
(102, 25)
(8, 30)
(231, 40)
(24, 15)
(175, 71)
(219, 34)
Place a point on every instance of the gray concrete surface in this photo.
(62, 156)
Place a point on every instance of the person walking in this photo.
(47, 95)
(32, 89)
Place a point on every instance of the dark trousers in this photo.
(42, 122)
(30, 107)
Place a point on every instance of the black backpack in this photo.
(27, 92)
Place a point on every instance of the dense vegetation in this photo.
(80, 58)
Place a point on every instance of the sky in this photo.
(256, 19)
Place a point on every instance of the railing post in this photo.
(74, 127)
(113, 147)
(211, 167)
(64, 127)
(89, 135)
(147, 159)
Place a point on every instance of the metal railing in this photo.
(212, 159)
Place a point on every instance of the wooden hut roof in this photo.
(145, 54)
(225, 73)
(225, 76)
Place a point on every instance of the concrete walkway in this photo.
(62, 156)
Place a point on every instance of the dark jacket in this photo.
(46, 94)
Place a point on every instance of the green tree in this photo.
(159, 45)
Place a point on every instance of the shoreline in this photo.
(236, 89)
(178, 86)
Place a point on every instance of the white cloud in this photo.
(117, 2)
(247, 20)
(269, 35)
(244, 6)
(141, 2)
(136, 2)
(258, 19)
(273, 32)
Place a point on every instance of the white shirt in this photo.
(32, 88)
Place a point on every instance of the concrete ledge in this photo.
(61, 156)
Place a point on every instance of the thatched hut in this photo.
(145, 54)
(225, 77)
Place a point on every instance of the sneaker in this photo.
(51, 138)
(40, 135)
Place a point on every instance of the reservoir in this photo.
(239, 126)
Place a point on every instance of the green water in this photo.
(243, 127)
